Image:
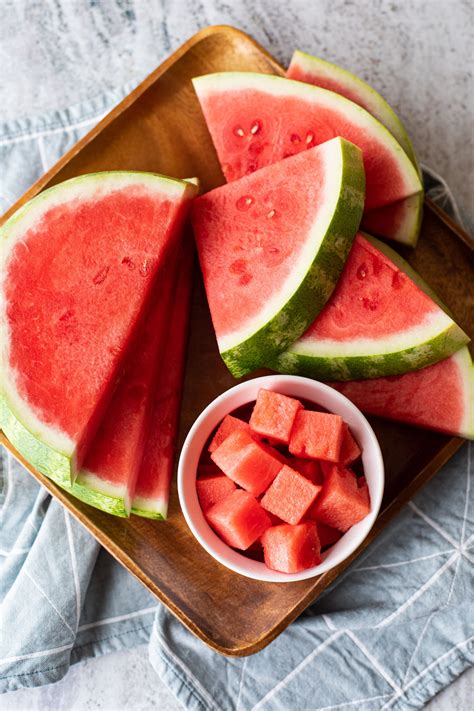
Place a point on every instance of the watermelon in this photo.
(290, 549)
(440, 397)
(109, 474)
(401, 220)
(309, 468)
(327, 535)
(269, 261)
(317, 435)
(340, 504)
(378, 322)
(290, 495)
(152, 490)
(257, 119)
(350, 450)
(76, 267)
(273, 415)
(213, 488)
(238, 519)
(246, 462)
(228, 425)
(313, 70)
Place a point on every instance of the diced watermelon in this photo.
(238, 519)
(309, 468)
(213, 488)
(290, 495)
(290, 549)
(317, 435)
(228, 425)
(327, 535)
(363, 489)
(350, 450)
(339, 503)
(273, 415)
(246, 462)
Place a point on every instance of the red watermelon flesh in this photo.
(228, 425)
(78, 263)
(213, 488)
(238, 519)
(439, 397)
(290, 549)
(340, 503)
(309, 468)
(363, 489)
(154, 479)
(273, 415)
(400, 221)
(317, 435)
(290, 495)
(256, 119)
(350, 450)
(246, 462)
(327, 535)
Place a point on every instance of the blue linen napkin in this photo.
(395, 629)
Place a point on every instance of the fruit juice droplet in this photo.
(362, 271)
(101, 275)
(256, 127)
(128, 263)
(244, 202)
(239, 131)
(295, 138)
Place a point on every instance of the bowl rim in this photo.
(202, 428)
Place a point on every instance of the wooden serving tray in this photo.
(159, 127)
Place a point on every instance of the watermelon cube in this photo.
(317, 435)
(350, 450)
(228, 425)
(309, 468)
(238, 519)
(273, 416)
(340, 503)
(213, 488)
(327, 535)
(246, 462)
(363, 489)
(290, 495)
(290, 549)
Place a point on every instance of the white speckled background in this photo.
(418, 53)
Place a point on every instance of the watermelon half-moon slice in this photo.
(76, 268)
(258, 119)
(377, 322)
(400, 221)
(272, 246)
(440, 397)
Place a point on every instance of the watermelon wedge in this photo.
(378, 322)
(269, 261)
(401, 220)
(258, 119)
(76, 269)
(154, 479)
(440, 397)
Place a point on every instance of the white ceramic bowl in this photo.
(242, 394)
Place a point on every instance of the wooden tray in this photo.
(159, 127)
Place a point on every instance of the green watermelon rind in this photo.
(59, 466)
(407, 236)
(157, 513)
(312, 293)
(114, 505)
(379, 107)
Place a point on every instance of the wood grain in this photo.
(159, 127)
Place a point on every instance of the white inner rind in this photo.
(153, 505)
(333, 167)
(466, 370)
(88, 187)
(281, 87)
(95, 483)
(433, 325)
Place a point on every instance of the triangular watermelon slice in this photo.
(400, 221)
(378, 322)
(258, 119)
(154, 479)
(76, 269)
(440, 397)
(272, 246)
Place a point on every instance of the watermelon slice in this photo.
(76, 270)
(152, 491)
(440, 397)
(400, 221)
(378, 322)
(109, 474)
(257, 119)
(270, 262)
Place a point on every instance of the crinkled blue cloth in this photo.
(395, 629)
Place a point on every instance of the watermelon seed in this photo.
(244, 202)
(362, 271)
(273, 250)
(272, 213)
(101, 275)
(295, 138)
(128, 262)
(239, 131)
(255, 128)
(309, 140)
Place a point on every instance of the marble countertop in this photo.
(418, 53)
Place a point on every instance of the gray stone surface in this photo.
(417, 53)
